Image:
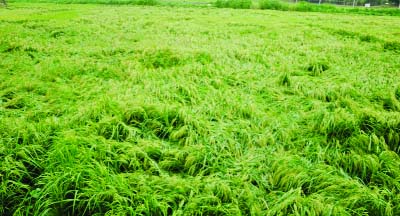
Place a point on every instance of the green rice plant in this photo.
(397, 93)
(113, 129)
(391, 104)
(288, 202)
(312, 184)
(284, 80)
(366, 143)
(364, 166)
(134, 110)
(391, 46)
(338, 125)
(317, 68)
(160, 59)
(203, 58)
(384, 127)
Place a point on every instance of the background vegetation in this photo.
(284, 5)
(138, 110)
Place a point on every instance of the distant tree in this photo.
(395, 2)
(4, 2)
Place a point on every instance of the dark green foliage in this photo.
(312, 7)
(284, 80)
(392, 46)
(387, 129)
(57, 34)
(391, 104)
(203, 58)
(237, 4)
(274, 5)
(397, 93)
(164, 58)
(368, 38)
(6, 47)
(317, 68)
(309, 7)
(354, 35)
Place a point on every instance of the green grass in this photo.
(138, 110)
